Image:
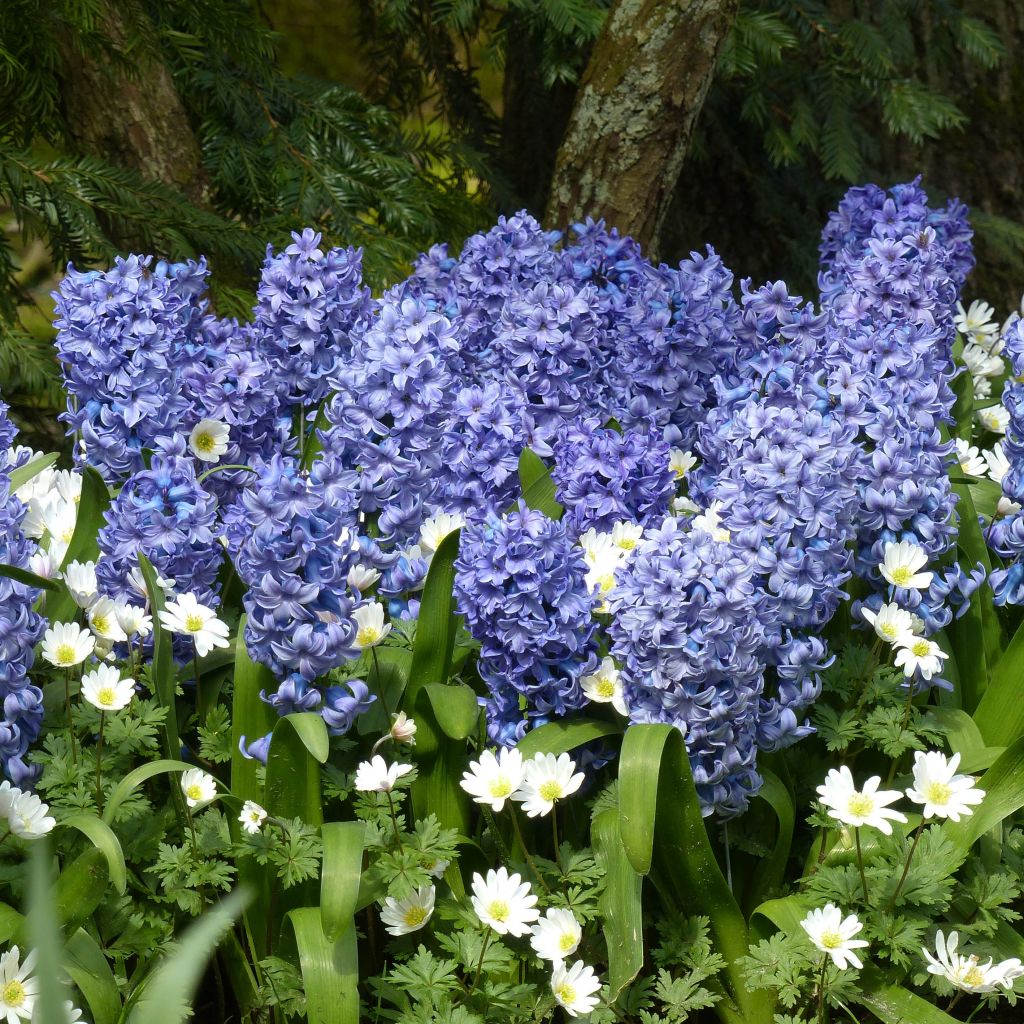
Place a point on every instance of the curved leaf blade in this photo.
(330, 970)
(23, 474)
(340, 875)
(101, 836)
(562, 736)
(136, 778)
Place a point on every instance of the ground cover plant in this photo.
(557, 634)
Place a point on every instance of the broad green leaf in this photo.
(79, 888)
(312, 730)
(436, 625)
(251, 718)
(23, 474)
(663, 835)
(537, 485)
(167, 997)
(562, 736)
(962, 387)
(455, 707)
(964, 738)
(11, 923)
(894, 1004)
(339, 877)
(30, 579)
(330, 970)
(771, 871)
(1000, 713)
(387, 678)
(98, 831)
(136, 778)
(621, 907)
(162, 666)
(44, 937)
(985, 494)
(89, 970)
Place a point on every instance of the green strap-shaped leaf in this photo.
(562, 736)
(455, 707)
(11, 923)
(340, 874)
(964, 738)
(620, 904)
(330, 970)
(894, 1004)
(98, 831)
(89, 970)
(163, 674)
(387, 678)
(537, 485)
(312, 731)
(771, 871)
(663, 834)
(167, 997)
(30, 579)
(44, 937)
(23, 474)
(136, 778)
(436, 626)
(1000, 712)
(251, 717)
(79, 888)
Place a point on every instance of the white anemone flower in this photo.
(994, 418)
(362, 577)
(66, 644)
(18, 989)
(575, 988)
(494, 778)
(200, 789)
(937, 786)
(834, 935)
(604, 686)
(370, 625)
(982, 362)
(80, 579)
(891, 623)
(138, 583)
(901, 565)
(436, 528)
(104, 688)
(104, 622)
(59, 519)
(377, 776)
(556, 936)
(968, 973)
(504, 902)
(919, 654)
(626, 536)
(858, 807)
(680, 462)
(135, 621)
(436, 868)
(8, 794)
(546, 780)
(603, 558)
(188, 617)
(970, 459)
(710, 521)
(209, 440)
(42, 563)
(401, 917)
(29, 817)
(977, 322)
(403, 729)
(252, 817)
(996, 462)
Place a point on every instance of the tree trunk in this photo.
(134, 120)
(635, 111)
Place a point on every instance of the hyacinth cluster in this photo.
(520, 585)
(21, 626)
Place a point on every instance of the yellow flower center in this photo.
(205, 442)
(627, 543)
(106, 696)
(67, 534)
(194, 622)
(606, 688)
(498, 910)
(101, 624)
(831, 940)
(566, 942)
(920, 648)
(566, 993)
(888, 630)
(974, 976)
(860, 805)
(606, 583)
(194, 792)
(415, 916)
(66, 654)
(499, 787)
(14, 993)
(901, 575)
(937, 793)
(367, 635)
(550, 790)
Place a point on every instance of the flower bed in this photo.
(494, 638)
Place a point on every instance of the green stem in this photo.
(380, 686)
(223, 469)
(99, 763)
(199, 692)
(522, 846)
(906, 867)
(860, 865)
(554, 837)
(67, 711)
(822, 1009)
(480, 962)
(394, 818)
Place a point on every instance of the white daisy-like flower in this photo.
(18, 989)
(626, 536)
(66, 644)
(494, 778)
(681, 462)
(8, 794)
(370, 625)
(901, 564)
(377, 776)
(188, 617)
(42, 563)
(436, 528)
(603, 558)
(981, 361)
(67, 485)
(436, 868)
(996, 462)
(409, 915)
(575, 988)
(994, 418)
(710, 521)
(891, 622)
(29, 817)
(970, 459)
(937, 785)
(200, 789)
(59, 519)
(362, 577)
(921, 655)
(556, 936)
(104, 688)
(683, 506)
(133, 620)
(80, 579)
(137, 582)
(858, 807)
(504, 902)
(982, 388)
(209, 440)
(103, 620)
(252, 817)
(968, 973)
(834, 934)
(976, 322)
(403, 728)
(546, 780)
(604, 685)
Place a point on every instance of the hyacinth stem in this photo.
(522, 846)
(99, 764)
(910, 857)
(860, 865)
(822, 1009)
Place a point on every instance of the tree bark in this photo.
(634, 113)
(131, 118)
